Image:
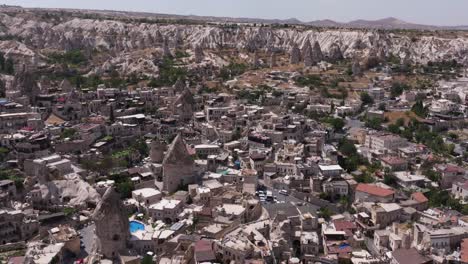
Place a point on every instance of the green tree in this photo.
(382, 107)
(336, 123)
(432, 175)
(169, 73)
(147, 260)
(325, 213)
(374, 123)
(68, 133)
(453, 135)
(394, 128)
(400, 122)
(232, 70)
(9, 66)
(398, 88)
(69, 211)
(419, 109)
(389, 178)
(366, 99)
(346, 147)
(3, 153)
(141, 147)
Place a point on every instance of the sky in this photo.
(433, 12)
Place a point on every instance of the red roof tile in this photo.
(343, 225)
(418, 196)
(374, 190)
(204, 251)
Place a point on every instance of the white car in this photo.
(283, 192)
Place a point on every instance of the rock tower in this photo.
(335, 53)
(166, 50)
(295, 54)
(178, 166)
(255, 60)
(356, 68)
(317, 55)
(179, 85)
(273, 59)
(199, 56)
(184, 105)
(112, 227)
(307, 54)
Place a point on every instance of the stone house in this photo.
(166, 210)
(373, 193)
(146, 196)
(384, 214)
(460, 190)
(450, 174)
(394, 163)
(8, 187)
(17, 226)
(336, 187)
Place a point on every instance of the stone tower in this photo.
(178, 166)
(295, 55)
(157, 151)
(112, 227)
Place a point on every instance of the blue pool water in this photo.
(135, 226)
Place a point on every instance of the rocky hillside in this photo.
(30, 33)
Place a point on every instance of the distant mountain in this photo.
(388, 23)
(385, 23)
(324, 23)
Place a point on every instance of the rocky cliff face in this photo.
(112, 226)
(37, 33)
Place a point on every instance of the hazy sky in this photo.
(435, 12)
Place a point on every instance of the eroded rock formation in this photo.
(295, 54)
(112, 226)
(178, 166)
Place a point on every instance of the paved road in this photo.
(289, 206)
(351, 123)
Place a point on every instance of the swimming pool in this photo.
(135, 226)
